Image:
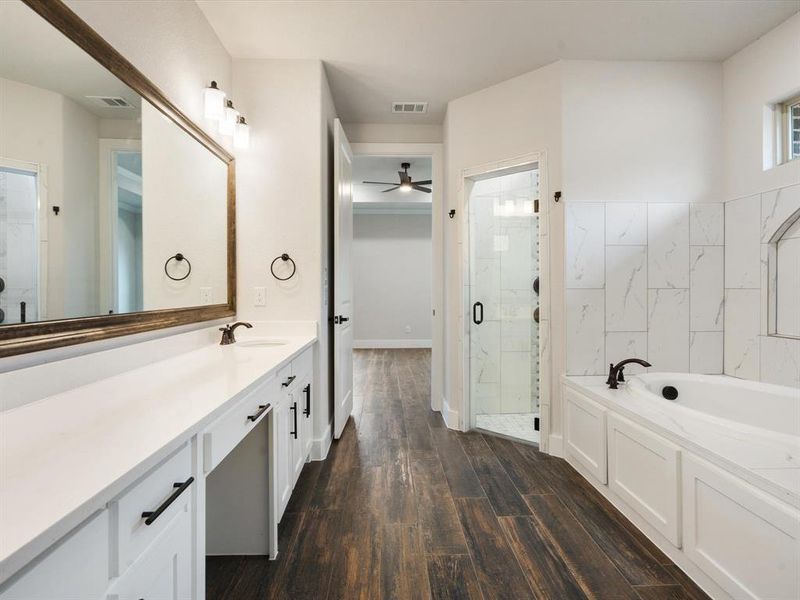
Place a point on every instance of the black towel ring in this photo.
(284, 257)
(178, 257)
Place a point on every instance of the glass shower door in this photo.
(503, 287)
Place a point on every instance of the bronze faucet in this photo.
(227, 332)
(615, 371)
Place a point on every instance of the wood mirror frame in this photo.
(43, 335)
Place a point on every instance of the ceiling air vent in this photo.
(110, 101)
(410, 107)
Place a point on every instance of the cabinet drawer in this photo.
(745, 540)
(585, 435)
(643, 469)
(150, 494)
(303, 364)
(164, 571)
(225, 433)
(75, 567)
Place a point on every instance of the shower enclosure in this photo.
(504, 314)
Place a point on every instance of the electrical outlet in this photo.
(205, 295)
(408, 328)
(260, 296)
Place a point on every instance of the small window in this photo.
(788, 129)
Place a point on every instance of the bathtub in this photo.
(772, 408)
(711, 477)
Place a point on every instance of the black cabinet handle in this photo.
(344, 319)
(293, 408)
(289, 381)
(307, 390)
(150, 517)
(261, 409)
(475, 318)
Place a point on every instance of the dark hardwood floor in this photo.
(405, 508)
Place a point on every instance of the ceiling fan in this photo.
(406, 184)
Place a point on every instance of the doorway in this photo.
(504, 286)
(21, 290)
(398, 240)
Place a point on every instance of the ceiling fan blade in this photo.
(419, 188)
(381, 182)
(391, 189)
(426, 182)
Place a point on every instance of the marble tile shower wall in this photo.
(750, 353)
(645, 280)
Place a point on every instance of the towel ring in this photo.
(178, 257)
(284, 257)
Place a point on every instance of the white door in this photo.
(342, 281)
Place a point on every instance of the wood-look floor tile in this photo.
(547, 574)
(690, 587)
(404, 573)
(441, 530)
(525, 476)
(592, 569)
(612, 532)
(501, 492)
(499, 574)
(460, 475)
(452, 577)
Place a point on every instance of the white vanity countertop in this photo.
(64, 457)
(771, 463)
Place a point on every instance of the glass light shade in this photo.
(228, 123)
(214, 102)
(241, 136)
(404, 187)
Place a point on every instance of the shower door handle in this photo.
(475, 318)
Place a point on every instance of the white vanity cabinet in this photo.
(293, 432)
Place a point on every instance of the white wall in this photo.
(282, 198)
(758, 200)
(393, 133)
(184, 209)
(765, 72)
(511, 119)
(642, 131)
(43, 127)
(392, 280)
(172, 43)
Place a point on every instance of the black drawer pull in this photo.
(293, 408)
(150, 517)
(307, 390)
(289, 381)
(262, 408)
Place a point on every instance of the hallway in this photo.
(405, 508)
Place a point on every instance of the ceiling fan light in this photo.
(405, 187)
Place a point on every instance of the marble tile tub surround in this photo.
(645, 280)
(750, 353)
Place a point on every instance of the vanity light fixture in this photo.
(214, 102)
(241, 136)
(227, 125)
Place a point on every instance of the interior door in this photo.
(342, 280)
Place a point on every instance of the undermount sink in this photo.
(261, 343)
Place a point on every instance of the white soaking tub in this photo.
(711, 476)
(773, 408)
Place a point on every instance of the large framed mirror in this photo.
(117, 212)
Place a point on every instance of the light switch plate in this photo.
(205, 295)
(260, 296)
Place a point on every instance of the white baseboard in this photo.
(449, 415)
(555, 445)
(363, 344)
(320, 447)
